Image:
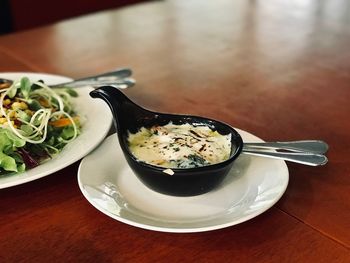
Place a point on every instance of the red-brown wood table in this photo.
(278, 69)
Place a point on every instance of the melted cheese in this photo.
(179, 146)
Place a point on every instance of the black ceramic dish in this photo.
(184, 182)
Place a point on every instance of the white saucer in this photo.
(254, 185)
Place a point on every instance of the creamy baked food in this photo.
(179, 146)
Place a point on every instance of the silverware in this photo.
(311, 146)
(309, 152)
(119, 78)
(119, 83)
(311, 159)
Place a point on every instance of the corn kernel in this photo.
(6, 102)
(29, 112)
(23, 105)
(12, 114)
(3, 120)
(16, 105)
(6, 124)
(19, 105)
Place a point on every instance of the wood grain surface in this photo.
(278, 69)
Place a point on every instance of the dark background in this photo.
(17, 15)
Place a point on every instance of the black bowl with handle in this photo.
(130, 117)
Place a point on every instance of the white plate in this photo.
(253, 185)
(96, 126)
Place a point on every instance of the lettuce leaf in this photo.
(8, 144)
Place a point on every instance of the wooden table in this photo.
(278, 69)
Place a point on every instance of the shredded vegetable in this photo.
(36, 122)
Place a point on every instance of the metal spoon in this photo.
(309, 152)
(311, 159)
(119, 78)
(311, 146)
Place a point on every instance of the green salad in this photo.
(36, 122)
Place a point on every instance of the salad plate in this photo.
(97, 121)
(253, 185)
